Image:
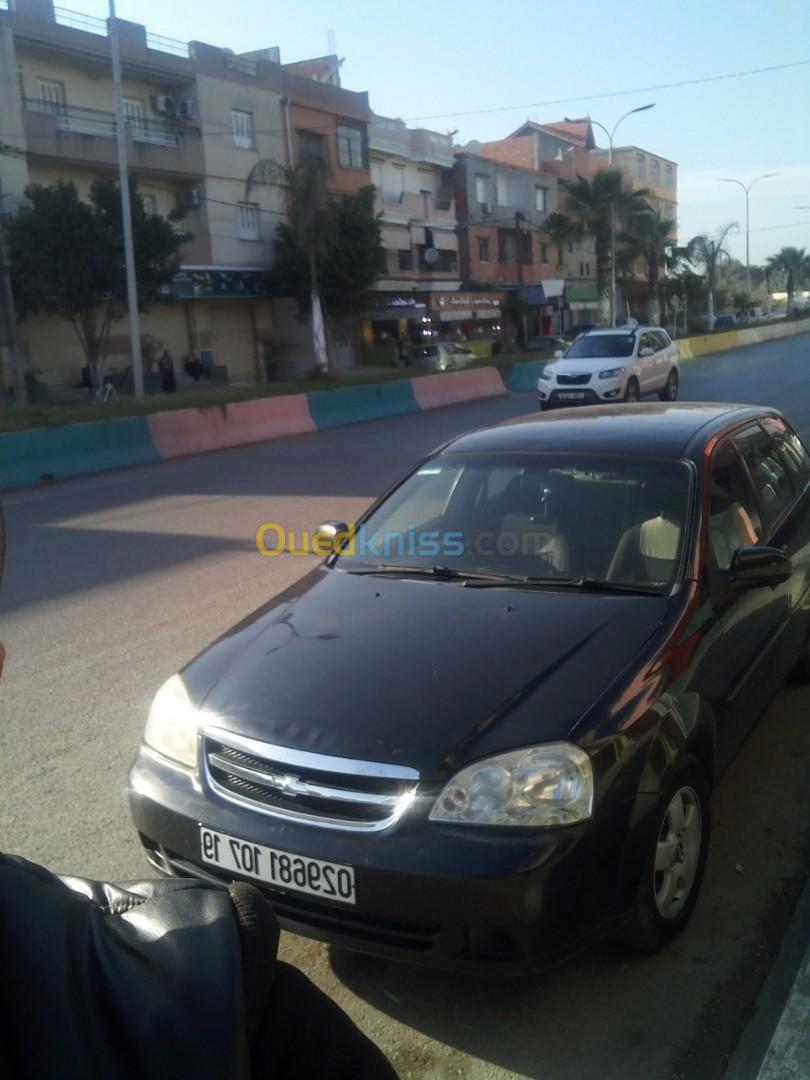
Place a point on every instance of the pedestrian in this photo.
(168, 379)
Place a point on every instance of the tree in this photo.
(649, 236)
(561, 231)
(793, 264)
(708, 252)
(66, 258)
(590, 204)
(328, 252)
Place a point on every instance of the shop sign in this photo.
(466, 301)
(209, 284)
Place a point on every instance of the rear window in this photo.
(602, 345)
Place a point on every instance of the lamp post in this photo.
(747, 189)
(611, 135)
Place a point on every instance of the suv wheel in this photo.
(632, 392)
(673, 870)
(670, 390)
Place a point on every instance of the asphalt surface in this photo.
(114, 581)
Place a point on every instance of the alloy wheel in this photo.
(677, 853)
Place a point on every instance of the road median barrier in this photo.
(353, 404)
(455, 387)
(195, 431)
(27, 457)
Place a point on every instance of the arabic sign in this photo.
(468, 301)
(211, 284)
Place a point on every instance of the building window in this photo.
(242, 127)
(133, 111)
(506, 248)
(540, 199)
(582, 269)
(655, 171)
(544, 253)
(587, 269)
(481, 189)
(376, 169)
(311, 145)
(641, 167)
(350, 147)
(51, 95)
(248, 221)
(483, 249)
(405, 259)
(149, 203)
(570, 247)
(669, 176)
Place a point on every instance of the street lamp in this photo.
(611, 134)
(746, 189)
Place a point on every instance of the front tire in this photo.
(670, 390)
(673, 869)
(632, 391)
(545, 406)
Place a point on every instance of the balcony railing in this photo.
(416, 206)
(91, 24)
(81, 121)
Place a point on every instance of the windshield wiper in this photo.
(442, 573)
(592, 584)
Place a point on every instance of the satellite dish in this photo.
(431, 256)
(473, 147)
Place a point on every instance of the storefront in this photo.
(582, 302)
(545, 302)
(468, 317)
(392, 326)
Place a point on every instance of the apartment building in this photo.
(502, 208)
(412, 172)
(199, 120)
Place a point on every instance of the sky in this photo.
(483, 67)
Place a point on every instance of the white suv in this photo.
(611, 365)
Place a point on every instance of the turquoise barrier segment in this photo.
(352, 404)
(28, 456)
(524, 376)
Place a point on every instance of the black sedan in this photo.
(485, 730)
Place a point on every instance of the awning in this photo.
(487, 315)
(445, 241)
(417, 234)
(454, 316)
(395, 237)
(553, 288)
(581, 294)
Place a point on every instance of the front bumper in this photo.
(462, 900)
(595, 393)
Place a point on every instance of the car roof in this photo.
(660, 430)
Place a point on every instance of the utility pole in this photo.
(10, 319)
(126, 209)
(747, 190)
(519, 254)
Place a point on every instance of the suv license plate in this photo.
(295, 873)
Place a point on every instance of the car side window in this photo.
(666, 340)
(734, 519)
(646, 343)
(792, 452)
(772, 483)
(657, 341)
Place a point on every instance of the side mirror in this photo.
(646, 351)
(754, 567)
(331, 536)
(558, 354)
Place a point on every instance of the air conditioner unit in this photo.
(195, 197)
(185, 109)
(162, 103)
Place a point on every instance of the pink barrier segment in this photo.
(452, 387)
(193, 431)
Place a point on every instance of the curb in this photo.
(775, 1044)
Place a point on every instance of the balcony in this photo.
(410, 206)
(87, 137)
(389, 136)
(432, 147)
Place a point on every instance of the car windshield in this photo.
(555, 517)
(597, 346)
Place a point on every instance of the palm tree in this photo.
(307, 218)
(649, 235)
(793, 264)
(561, 230)
(708, 252)
(590, 204)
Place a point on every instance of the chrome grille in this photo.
(316, 789)
(577, 379)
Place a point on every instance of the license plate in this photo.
(571, 395)
(296, 873)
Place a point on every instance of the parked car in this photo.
(544, 342)
(612, 365)
(497, 741)
(577, 331)
(725, 322)
(442, 357)
(754, 315)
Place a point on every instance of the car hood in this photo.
(417, 672)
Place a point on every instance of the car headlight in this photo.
(540, 786)
(547, 373)
(611, 373)
(171, 727)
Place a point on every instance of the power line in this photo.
(613, 93)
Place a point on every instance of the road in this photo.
(115, 581)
